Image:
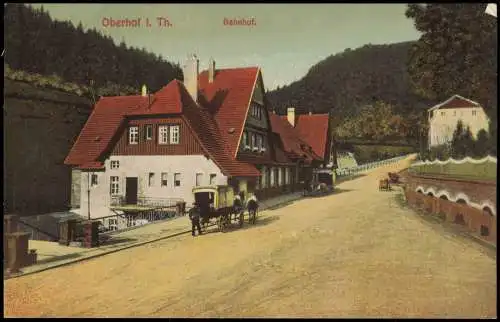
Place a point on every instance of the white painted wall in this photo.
(140, 166)
(443, 123)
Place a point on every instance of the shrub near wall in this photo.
(477, 222)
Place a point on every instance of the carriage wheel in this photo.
(242, 218)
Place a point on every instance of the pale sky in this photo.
(286, 41)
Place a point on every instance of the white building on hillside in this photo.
(443, 119)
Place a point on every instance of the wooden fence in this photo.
(481, 223)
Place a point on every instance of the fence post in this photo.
(17, 248)
(10, 224)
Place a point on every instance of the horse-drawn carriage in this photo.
(394, 178)
(218, 202)
(384, 185)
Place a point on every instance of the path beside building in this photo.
(356, 253)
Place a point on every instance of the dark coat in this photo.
(194, 213)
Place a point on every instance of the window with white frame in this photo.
(113, 224)
(93, 181)
(213, 176)
(151, 179)
(244, 139)
(148, 133)
(199, 179)
(474, 113)
(254, 139)
(115, 164)
(174, 134)
(260, 141)
(177, 179)
(164, 179)
(133, 135)
(114, 185)
(163, 134)
(442, 113)
(264, 177)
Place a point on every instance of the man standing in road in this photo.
(194, 215)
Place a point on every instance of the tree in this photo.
(462, 143)
(457, 52)
(37, 44)
(481, 144)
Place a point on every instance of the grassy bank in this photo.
(482, 171)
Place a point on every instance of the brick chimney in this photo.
(290, 115)
(211, 70)
(191, 71)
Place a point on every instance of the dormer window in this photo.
(244, 138)
(256, 111)
(133, 135)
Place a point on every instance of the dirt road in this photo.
(356, 253)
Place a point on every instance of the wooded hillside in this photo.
(36, 43)
(347, 81)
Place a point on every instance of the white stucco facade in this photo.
(443, 122)
(187, 167)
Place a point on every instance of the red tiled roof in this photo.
(456, 101)
(314, 130)
(166, 101)
(92, 166)
(228, 97)
(293, 145)
(100, 128)
(206, 129)
(217, 121)
(110, 112)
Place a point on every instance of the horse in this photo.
(252, 207)
(384, 185)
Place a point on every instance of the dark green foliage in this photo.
(370, 153)
(378, 122)
(352, 82)
(481, 144)
(440, 152)
(456, 54)
(462, 142)
(463, 145)
(39, 45)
